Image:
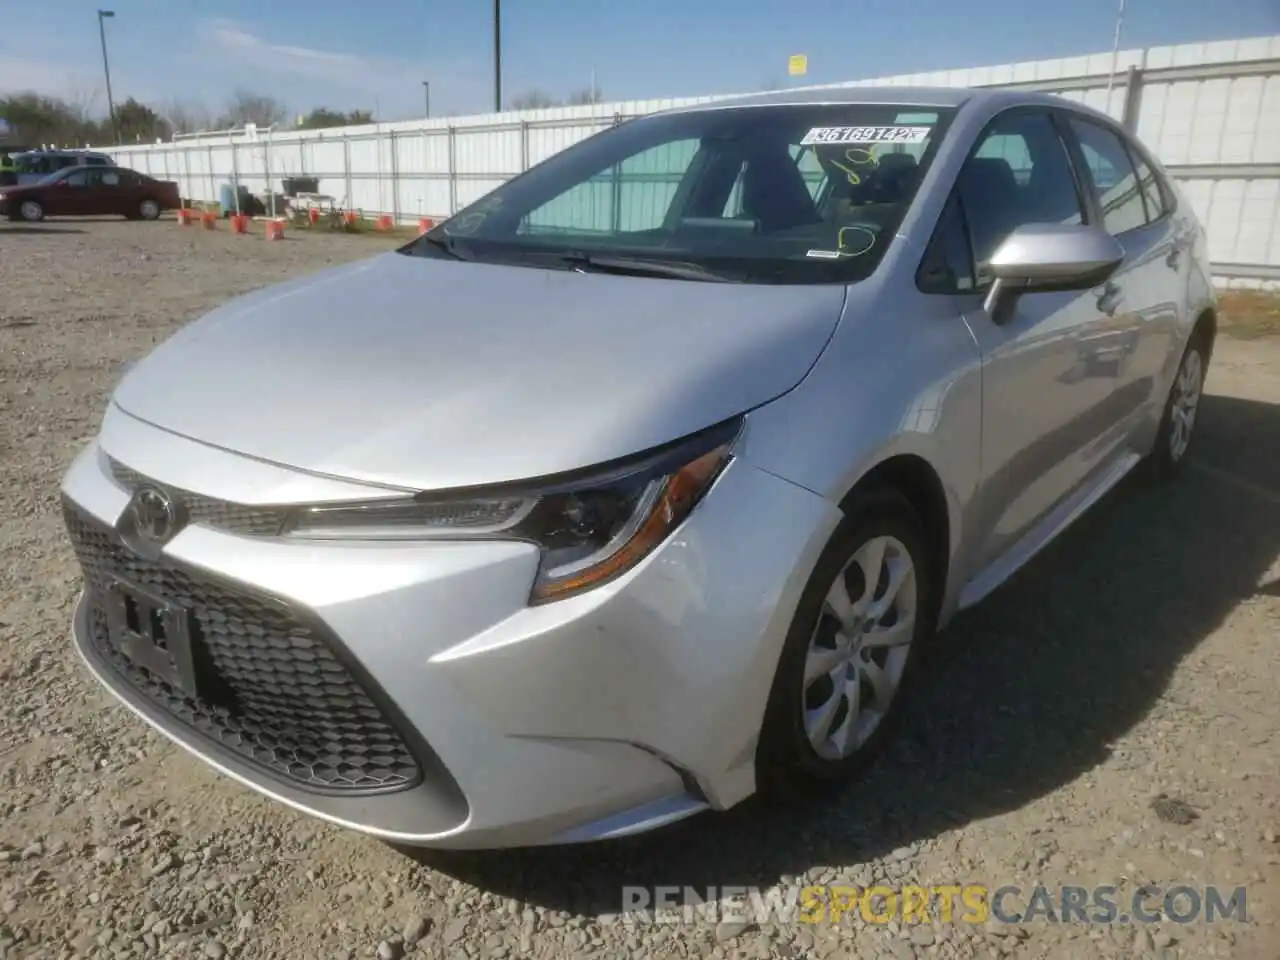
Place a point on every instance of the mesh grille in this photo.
(277, 695)
(207, 512)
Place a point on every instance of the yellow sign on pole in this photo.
(797, 65)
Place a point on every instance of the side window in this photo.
(815, 178)
(108, 178)
(1151, 192)
(633, 196)
(947, 266)
(40, 165)
(61, 163)
(1018, 174)
(96, 161)
(1111, 170)
(78, 179)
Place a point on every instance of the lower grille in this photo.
(277, 697)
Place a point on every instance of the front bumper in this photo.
(605, 714)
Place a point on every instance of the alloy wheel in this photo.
(31, 211)
(860, 647)
(1187, 389)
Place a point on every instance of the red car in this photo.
(90, 192)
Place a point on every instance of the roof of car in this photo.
(62, 153)
(906, 96)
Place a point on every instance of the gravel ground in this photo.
(1108, 718)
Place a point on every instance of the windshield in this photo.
(776, 194)
(49, 178)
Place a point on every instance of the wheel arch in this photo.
(913, 477)
(1205, 330)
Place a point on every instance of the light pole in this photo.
(1115, 54)
(106, 69)
(497, 56)
(426, 93)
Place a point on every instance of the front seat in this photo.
(774, 193)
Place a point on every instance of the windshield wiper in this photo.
(643, 267)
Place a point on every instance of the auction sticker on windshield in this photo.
(865, 135)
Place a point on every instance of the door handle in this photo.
(1174, 257)
(1109, 298)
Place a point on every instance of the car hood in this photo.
(423, 373)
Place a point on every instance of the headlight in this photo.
(591, 527)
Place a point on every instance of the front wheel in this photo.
(149, 210)
(867, 609)
(31, 211)
(1181, 411)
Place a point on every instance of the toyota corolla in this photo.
(637, 486)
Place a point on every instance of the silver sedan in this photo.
(639, 485)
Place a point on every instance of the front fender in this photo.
(906, 385)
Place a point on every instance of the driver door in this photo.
(1040, 412)
(66, 197)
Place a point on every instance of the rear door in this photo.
(1128, 351)
(113, 195)
(134, 188)
(1041, 417)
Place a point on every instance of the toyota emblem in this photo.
(154, 514)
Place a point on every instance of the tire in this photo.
(1181, 409)
(787, 760)
(31, 211)
(149, 210)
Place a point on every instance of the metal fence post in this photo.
(524, 145)
(453, 167)
(235, 177)
(213, 182)
(395, 178)
(1132, 100)
(426, 171)
(348, 199)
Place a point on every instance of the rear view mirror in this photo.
(1040, 257)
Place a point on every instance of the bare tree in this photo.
(531, 100)
(185, 117)
(83, 101)
(584, 96)
(256, 108)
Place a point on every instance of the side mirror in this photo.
(1042, 257)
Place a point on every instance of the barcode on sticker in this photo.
(819, 135)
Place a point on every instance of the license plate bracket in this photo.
(152, 633)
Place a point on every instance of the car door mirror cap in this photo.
(1044, 257)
